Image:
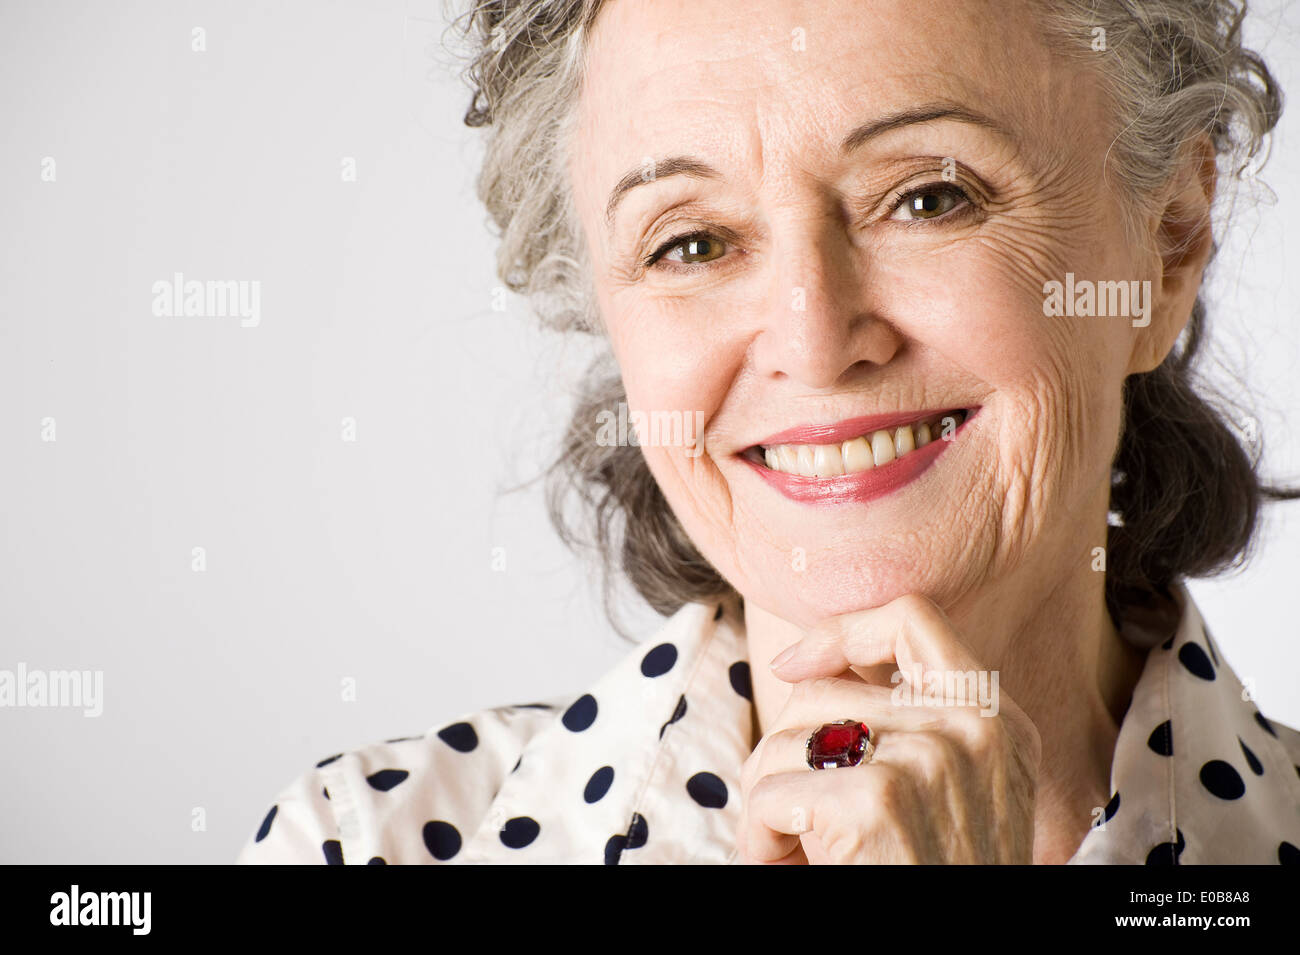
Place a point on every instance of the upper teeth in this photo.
(858, 454)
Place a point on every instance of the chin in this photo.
(810, 596)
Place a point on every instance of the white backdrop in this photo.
(127, 157)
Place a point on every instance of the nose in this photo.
(819, 327)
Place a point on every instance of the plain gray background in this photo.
(329, 560)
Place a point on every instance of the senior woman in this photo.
(928, 277)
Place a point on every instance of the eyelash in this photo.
(946, 188)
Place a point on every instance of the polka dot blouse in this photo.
(643, 768)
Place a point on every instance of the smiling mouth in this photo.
(860, 453)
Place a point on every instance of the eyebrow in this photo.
(699, 169)
(919, 114)
(672, 166)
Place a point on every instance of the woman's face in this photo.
(830, 275)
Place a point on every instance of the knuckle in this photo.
(934, 753)
(919, 608)
(813, 689)
(850, 828)
(793, 740)
(985, 735)
(842, 844)
(762, 793)
(967, 724)
(912, 603)
(754, 800)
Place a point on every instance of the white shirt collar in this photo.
(674, 722)
(1199, 776)
(685, 729)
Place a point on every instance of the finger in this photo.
(744, 857)
(910, 631)
(795, 857)
(812, 703)
(786, 751)
(818, 700)
(771, 832)
(764, 844)
(871, 802)
(814, 850)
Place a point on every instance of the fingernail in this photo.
(784, 656)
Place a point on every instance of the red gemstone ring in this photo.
(842, 743)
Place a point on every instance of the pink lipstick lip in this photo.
(854, 427)
(862, 486)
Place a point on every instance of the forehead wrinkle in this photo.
(774, 65)
(803, 109)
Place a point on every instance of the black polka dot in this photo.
(678, 712)
(1167, 853)
(1252, 760)
(333, 850)
(581, 714)
(378, 860)
(519, 832)
(459, 736)
(1161, 740)
(707, 790)
(441, 839)
(1112, 807)
(1222, 780)
(328, 759)
(386, 779)
(740, 680)
(659, 660)
(1209, 645)
(1288, 854)
(637, 831)
(264, 829)
(634, 838)
(325, 792)
(1194, 659)
(1265, 724)
(598, 784)
(614, 849)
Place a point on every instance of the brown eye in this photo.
(701, 250)
(929, 202)
(695, 249)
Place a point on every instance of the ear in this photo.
(1183, 241)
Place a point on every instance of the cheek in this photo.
(1054, 382)
(675, 367)
(682, 356)
(666, 363)
(1052, 385)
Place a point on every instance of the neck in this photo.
(1058, 656)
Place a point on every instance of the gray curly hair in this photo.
(1188, 491)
